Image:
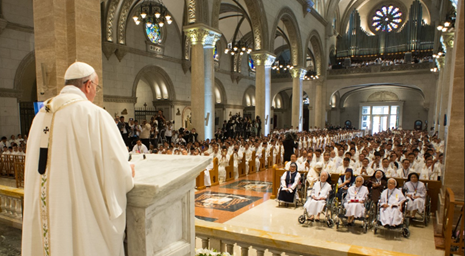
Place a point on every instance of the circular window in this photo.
(153, 32)
(387, 19)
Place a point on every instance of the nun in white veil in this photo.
(354, 202)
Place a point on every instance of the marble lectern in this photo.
(160, 208)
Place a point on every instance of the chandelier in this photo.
(238, 47)
(281, 66)
(311, 75)
(152, 12)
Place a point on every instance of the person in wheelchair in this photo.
(355, 201)
(289, 182)
(345, 181)
(416, 194)
(316, 203)
(377, 184)
(390, 214)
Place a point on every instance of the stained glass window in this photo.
(251, 64)
(216, 56)
(387, 19)
(153, 33)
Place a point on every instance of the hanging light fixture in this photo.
(238, 47)
(152, 12)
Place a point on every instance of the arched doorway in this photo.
(25, 81)
(154, 91)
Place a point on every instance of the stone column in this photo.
(454, 144)
(437, 113)
(297, 95)
(65, 31)
(263, 61)
(448, 44)
(319, 123)
(202, 78)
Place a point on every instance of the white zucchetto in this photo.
(78, 70)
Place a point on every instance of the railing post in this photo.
(275, 253)
(260, 251)
(229, 246)
(205, 242)
(244, 249)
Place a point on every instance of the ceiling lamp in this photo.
(152, 12)
(281, 66)
(238, 47)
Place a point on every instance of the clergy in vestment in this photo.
(77, 175)
(316, 203)
(354, 202)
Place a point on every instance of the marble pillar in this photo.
(448, 44)
(263, 61)
(454, 144)
(203, 40)
(65, 31)
(297, 97)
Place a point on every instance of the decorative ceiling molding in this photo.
(382, 96)
(10, 93)
(119, 99)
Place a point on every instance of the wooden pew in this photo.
(3, 167)
(277, 173)
(262, 161)
(214, 173)
(278, 158)
(241, 167)
(230, 169)
(252, 167)
(199, 181)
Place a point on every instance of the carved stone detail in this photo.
(108, 49)
(113, 6)
(202, 34)
(448, 41)
(120, 53)
(191, 17)
(122, 21)
(119, 99)
(186, 65)
(298, 73)
(10, 93)
(263, 58)
(383, 96)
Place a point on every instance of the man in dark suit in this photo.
(124, 130)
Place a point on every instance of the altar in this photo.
(160, 208)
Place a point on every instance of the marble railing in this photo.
(11, 204)
(380, 68)
(227, 238)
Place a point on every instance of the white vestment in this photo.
(78, 207)
(320, 191)
(356, 209)
(391, 215)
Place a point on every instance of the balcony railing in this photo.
(380, 68)
(235, 239)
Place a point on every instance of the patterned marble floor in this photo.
(265, 215)
(228, 200)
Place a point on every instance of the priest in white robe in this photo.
(75, 195)
(391, 201)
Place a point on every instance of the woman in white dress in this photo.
(391, 203)
(355, 201)
(416, 194)
(317, 200)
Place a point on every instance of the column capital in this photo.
(298, 73)
(440, 62)
(202, 34)
(263, 58)
(448, 40)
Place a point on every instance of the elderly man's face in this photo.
(358, 182)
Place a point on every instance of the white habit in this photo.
(356, 209)
(320, 191)
(391, 215)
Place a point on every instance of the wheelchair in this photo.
(338, 212)
(304, 218)
(425, 216)
(299, 195)
(403, 228)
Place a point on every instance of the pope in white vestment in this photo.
(78, 205)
